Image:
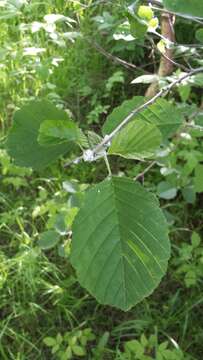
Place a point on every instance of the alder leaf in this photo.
(120, 246)
(120, 113)
(162, 114)
(138, 140)
(54, 132)
(22, 144)
(185, 7)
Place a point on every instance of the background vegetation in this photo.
(76, 55)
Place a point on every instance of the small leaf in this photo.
(49, 341)
(55, 349)
(135, 348)
(59, 339)
(199, 35)
(196, 80)
(189, 194)
(78, 350)
(184, 91)
(67, 354)
(145, 79)
(198, 181)
(196, 240)
(138, 27)
(138, 140)
(22, 144)
(120, 246)
(185, 7)
(166, 190)
(48, 239)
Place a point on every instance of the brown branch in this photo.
(166, 63)
(116, 59)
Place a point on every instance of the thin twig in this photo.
(164, 91)
(114, 58)
(195, 127)
(145, 170)
(107, 165)
(181, 66)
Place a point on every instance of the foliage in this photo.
(71, 344)
(69, 72)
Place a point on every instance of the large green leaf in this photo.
(185, 7)
(138, 140)
(120, 113)
(22, 143)
(120, 246)
(164, 115)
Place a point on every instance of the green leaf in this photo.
(164, 115)
(185, 7)
(166, 190)
(49, 341)
(134, 347)
(138, 27)
(196, 80)
(54, 132)
(120, 113)
(145, 79)
(195, 239)
(138, 140)
(198, 181)
(48, 239)
(199, 35)
(120, 246)
(22, 144)
(184, 91)
(78, 350)
(189, 194)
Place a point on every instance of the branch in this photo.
(114, 58)
(166, 62)
(140, 175)
(107, 139)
